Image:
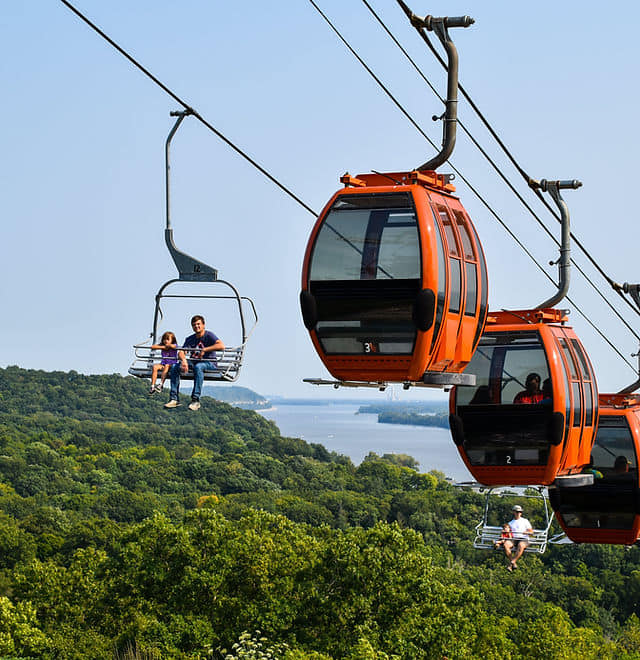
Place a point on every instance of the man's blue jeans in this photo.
(198, 368)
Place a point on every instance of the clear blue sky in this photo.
(82, 172)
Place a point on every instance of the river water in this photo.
(340, 428)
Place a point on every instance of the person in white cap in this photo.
(521, 529)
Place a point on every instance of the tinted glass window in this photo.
(368, 237)
(582, 360)
(571, 363)
(498, 431)
(611, 502)
(604, 505)
(367, 316)
(567, 391)
(577, 415)
(613, 439)
(502, 362)
(442, 284)
(471, 301)
(588, 405)
(455, 292)
(463, 230)
(449, 231)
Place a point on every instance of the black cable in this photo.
(244, 155)
(373, 75)
(501, 174)
(467, 182)
(186, 106)
(616, 287)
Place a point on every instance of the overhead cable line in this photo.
(501, 174)
(614, 285)
(187, 107)
(373, 75)
(467, 182)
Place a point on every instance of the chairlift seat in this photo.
(229, 362)
(486, 535)
(192, 270)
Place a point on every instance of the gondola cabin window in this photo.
(470, 265)
(455, 296)
(365, 271)
(589, 395)
(505, 424)
(442, 284)
(612, 500)
(575, 382)
(613, 441)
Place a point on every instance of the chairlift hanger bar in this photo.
(189, 268)
(187, 107)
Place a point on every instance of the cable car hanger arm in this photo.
(450, 117)
(618, 288)
(553, 188)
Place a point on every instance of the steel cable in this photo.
(614, 285)
(186, 106)
(467, 182)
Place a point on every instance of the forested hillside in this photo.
(130, 531)
(241, 397)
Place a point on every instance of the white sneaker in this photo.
(194, 405)
(172, 404)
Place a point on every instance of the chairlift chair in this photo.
(192, 270)
(487, 534)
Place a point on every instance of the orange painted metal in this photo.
(621, 406)
(446, 346)
(572, 453)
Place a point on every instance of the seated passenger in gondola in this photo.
(481, 396)
(621, 467)
(532, 393)
(202, 359)
(547, 392)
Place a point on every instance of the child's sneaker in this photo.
(153, 390)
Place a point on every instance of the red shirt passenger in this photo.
(533, 393)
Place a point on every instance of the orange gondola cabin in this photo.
(394, 282)
(609, 510)
(532, 414)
